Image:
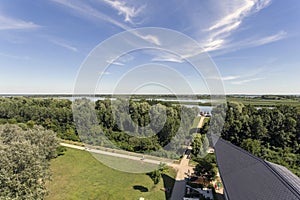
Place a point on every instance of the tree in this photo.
(206, 168)
(197, 147)
(24, 161)
(253, 146)
(155, 175)
(273, 134)
(163, 168)
(259, 131)
(205, 143)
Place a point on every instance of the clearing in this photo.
(78, 175)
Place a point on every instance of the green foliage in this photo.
(156, 174)
(206, 167)
(253, 146)
(197, 147)
(53, 114)
(270, 133)
(205, 143)
(24, 161)
(139, 126)
(200, 144)
(163, 168)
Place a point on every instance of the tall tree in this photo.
(24, 161)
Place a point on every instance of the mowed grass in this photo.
(196, 122)
(78, 175)
(126, 165)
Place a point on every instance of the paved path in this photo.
(182, 172)
(184, 168)
(147, 160)
(201, 121)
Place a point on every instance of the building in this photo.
(247, 177)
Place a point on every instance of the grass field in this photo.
(124, 164)
(196, 122)
(78, 175)
(258, 102)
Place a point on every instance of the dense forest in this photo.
(52, 114)
(141, 126)
(270, 133)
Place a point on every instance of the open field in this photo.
(196, 122)
(78, 175)
(259, 102)
(127, 165)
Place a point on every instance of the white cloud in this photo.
(240, 11)
(230, 78)
(14, 56)
(7, 23)
(113, 62)
(212, 44)
(91, 13)
(253, 42)
(120, 60)
(150, 38)
(64, 45)
(105, 73)
(268, 39)
(126, 58)
(230, 21)
(167, 57)
(123, 9)
(240, 82)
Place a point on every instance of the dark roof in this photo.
(291, 178)
(247, 177)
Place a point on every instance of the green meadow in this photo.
(78, 175)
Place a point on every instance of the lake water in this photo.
(202, 108)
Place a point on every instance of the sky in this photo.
(253, 44)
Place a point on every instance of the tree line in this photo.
(139, 126)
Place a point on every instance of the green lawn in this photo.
(78, 175)
(126, 165)
(196, 122)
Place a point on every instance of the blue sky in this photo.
(255, 44)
